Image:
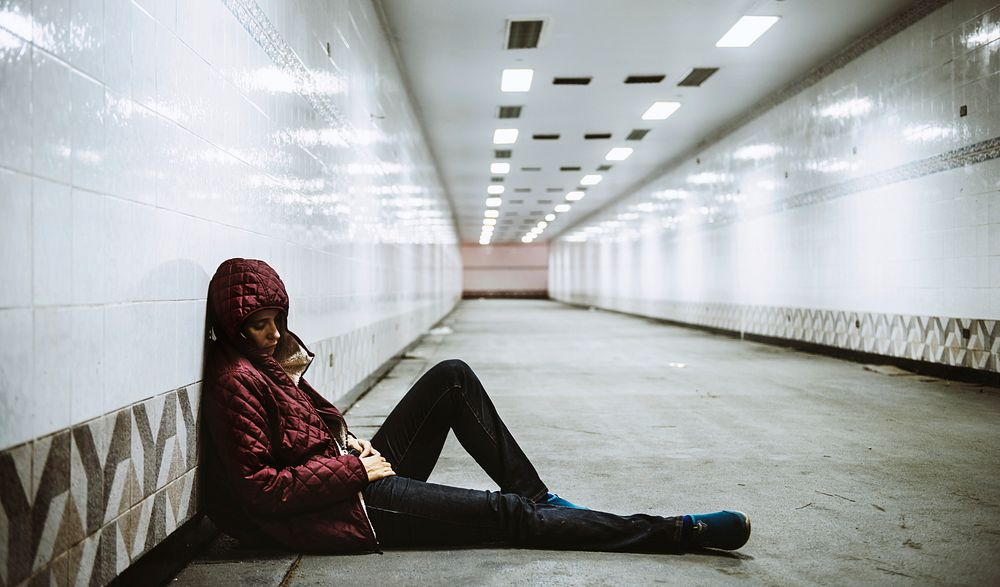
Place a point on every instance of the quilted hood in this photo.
(239, 288)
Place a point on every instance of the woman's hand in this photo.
(376, 466)
(362, 446)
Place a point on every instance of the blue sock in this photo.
(553, 499)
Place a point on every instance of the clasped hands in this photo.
(375, 465)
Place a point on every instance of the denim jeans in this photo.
(405, 510)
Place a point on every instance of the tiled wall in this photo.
(142, 143)
(517, 269)
(862, 211)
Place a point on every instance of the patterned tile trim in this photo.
(77, 507)
(958, 342)
(969, 155)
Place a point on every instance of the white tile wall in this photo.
(144, 142)
(708, 231)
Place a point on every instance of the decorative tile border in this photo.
(958, 342)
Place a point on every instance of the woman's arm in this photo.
(239, 428)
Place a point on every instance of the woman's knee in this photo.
(452, 367)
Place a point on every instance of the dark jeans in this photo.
(407, 511)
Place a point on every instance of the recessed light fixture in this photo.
(591, 179)
(550, 217)
(516, 80)
(747, 30)
(491, 213)
(618, 154)
(494, 190)
(542, 224)
(574, 196)
(499, 167)
(489, 227)
(659, 111)
(489, 221)
(562, 207)
(505, 136)
(493, 202)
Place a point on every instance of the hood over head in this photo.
(239, 288)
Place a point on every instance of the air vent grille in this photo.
(552, 190)
(531, 169)
(545, 137)
(544, 202)
(697, 76)
(591, 136)
(509, 112)
(571, 81)
(515, 201)
(604, 167)
(497, 179)
(637, 134)
(524, 34)
(570, 168)
(644, 79)
(522, 190)
(501, 153)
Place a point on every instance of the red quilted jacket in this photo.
(272, 469)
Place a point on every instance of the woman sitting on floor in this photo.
(282, 468)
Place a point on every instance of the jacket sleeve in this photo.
(241, 435)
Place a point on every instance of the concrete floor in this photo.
(851, 477)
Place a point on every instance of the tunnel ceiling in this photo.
(454, 51)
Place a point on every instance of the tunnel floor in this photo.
(851, 476)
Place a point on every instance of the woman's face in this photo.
(262, 330)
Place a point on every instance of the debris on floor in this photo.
(890, 370)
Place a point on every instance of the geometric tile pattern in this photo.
(77, 507)
(958, 342)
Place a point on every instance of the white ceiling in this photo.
(453, 54)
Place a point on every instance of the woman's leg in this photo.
(450, 397)
(409, 512)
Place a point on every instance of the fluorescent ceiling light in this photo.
(542, 224)
(493, 202)
(591, 180)
(660, 110)
(516, 80)
(499, 167)
(525, 239)
(618, 154)
(505, 136)
(489, 221)
(489, 228)
(747, 30)
(494, 190)
(574, 196)
(550, 217)
(484, 241)
(562, 208)
(491, 214)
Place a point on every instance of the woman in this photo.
(282, 468)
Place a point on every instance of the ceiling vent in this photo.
(570, 168)
(497, 179)
(521, 191)
(544, 202)
(571, 81)
(545, 137)
(509, 112)
(515, 201)
(534, 212)
(501, 153)
(553, 190)
(697, 76)
(644, 79)
(523, 34)
(604, 167)
(591, 136)
(637, 134)
(531, 169)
